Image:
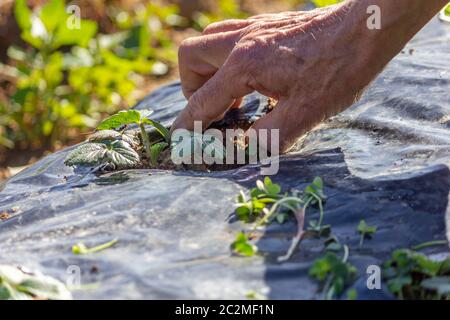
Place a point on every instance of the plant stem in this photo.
(300, 216)
(430, 244)
(274, 208)
(361, 241)
(103, 246)
(145, 141)
(327, 290)
(346, 254)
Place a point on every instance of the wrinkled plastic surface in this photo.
(384, 160)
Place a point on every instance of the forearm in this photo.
(400, 21)
(372, 46)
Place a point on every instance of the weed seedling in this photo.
(412, 275)
(266, 203)
(334, 273)
(365, 231)
(242, 246)
(80, 248)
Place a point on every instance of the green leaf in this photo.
(155, 150)
(315, 189)
(133, 117)
(242, 246)
(318, 183)
(122, 156)
(320, 269)
(118, 154)
(244, 213)
(159, 127)
(88, 154)
(440, 284)
(23, 15)
(53, 14)
(256, 192)
(331, 269)
(80, 248)
(271, 188)
(111, 135)
(15, 284)
(365, 229)
(17, 53)
(120, 119)
(407, 273)
(65, 36)
(396, 285)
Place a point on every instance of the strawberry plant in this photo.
(114, 148)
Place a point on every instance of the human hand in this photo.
(314, 63)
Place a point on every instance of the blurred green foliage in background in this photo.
(71, 75)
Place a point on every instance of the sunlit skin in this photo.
(316, 63)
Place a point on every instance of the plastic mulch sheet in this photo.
(384, 160)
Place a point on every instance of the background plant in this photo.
(59, 82)
(68, 77)
(266, 204)
(412, 275)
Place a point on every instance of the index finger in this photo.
(201, 57)
(213, 99)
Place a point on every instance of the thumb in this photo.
(213, 99)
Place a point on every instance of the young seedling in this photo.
(412, 275)
(365, 231)
(266, 203)
(242, 246)
(155, 150)
(335, 274)
(111, 149)
(140, 118)
(80, 248)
